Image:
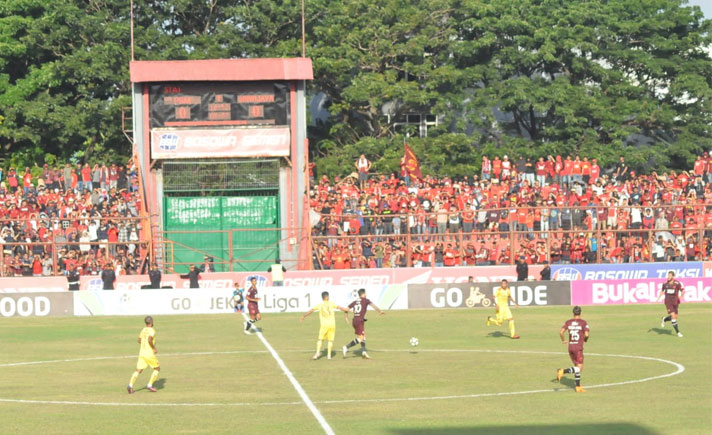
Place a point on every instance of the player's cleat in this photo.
(364, 355)
(316, 356)
(129, 389)
(151, 389)
(679, 334)
(489, 320)
(344, 350)
(662, 322)
(559, 375)
(515, 337)
(580, 390)
(328, 356)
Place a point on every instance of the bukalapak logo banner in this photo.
(635, 291)
(577, 272)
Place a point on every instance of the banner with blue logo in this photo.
(575, 272)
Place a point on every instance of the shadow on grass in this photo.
(565, 382)
(661, 331)
(498, 334)
(160, 383)
(578, 429)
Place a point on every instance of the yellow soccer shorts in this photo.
(327, 333)
(147, 361)
(504, 313)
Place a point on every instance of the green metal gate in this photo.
(227, 210)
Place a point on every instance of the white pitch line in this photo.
(680, 368)
(99, 358)
(303, 394)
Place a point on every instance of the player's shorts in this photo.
(147, 361)
(358, 326)
(576, 356)
(253, 309)
(504, 313)
(671, 307)
(327, 333)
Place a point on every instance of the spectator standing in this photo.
(193, 276)
(522, 269)
(154, 275)
(67, 176)
(545, 273)
(108, 276)
(27, 181)
(73, 279)
(363, 165)
(277, 270)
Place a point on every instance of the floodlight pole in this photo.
(304, 47)
(132, 31)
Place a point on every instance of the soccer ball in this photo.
(414, 341)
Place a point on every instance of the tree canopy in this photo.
(601, 78)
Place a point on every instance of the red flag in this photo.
(410, 162)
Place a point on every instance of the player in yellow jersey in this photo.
(502, 296)
(327, 321)
(146, 356)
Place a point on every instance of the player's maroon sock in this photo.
(667, 319)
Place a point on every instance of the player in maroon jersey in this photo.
(252, 307)
(673, 291)
(359, 308)
(578, 334)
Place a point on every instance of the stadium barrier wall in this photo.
(34, 304)
(324, 278)
(635, 291)
(624, 271)
(42, 284)
(217, 300)
(526, 293)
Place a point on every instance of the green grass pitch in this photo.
(460, 380)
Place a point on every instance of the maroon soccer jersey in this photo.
(359, 308)
(252, 293)
(577, 333)
(672, 292)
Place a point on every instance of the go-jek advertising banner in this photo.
(216, 301)
(635, 291)
(576, 272)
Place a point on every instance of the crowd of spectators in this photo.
(548, 210)
(70, 219)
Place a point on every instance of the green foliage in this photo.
(531, 77)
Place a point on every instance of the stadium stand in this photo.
(70, 217)
(548, 210)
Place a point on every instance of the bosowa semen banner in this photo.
(635, 291)
(33, 304)
(356, 278)
(525, 293)
(218, 300)
(575, 272)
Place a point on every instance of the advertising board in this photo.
(527, 293)
(217, 300)
(575, 272)
(34, 304)
(638, 291)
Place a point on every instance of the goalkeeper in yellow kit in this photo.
(146, 356)
(327, 321)
(502, 296)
